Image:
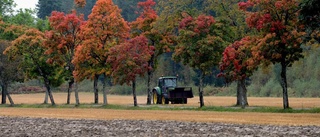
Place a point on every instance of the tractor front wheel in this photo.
(163, 100)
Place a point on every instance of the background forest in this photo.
(303, 77)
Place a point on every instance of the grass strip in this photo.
(173, 108)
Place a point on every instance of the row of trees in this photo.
(196, 32)
(279, 39)
(75, 49)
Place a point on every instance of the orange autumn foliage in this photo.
(105, 28)
(62, 41)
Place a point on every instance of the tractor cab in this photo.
(166, 82)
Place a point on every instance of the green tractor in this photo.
(168, 90)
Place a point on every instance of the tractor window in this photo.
(170, 82)
(160, 83)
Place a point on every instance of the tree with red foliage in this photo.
(129, 60)
(237, 64)
(199, 45)
(62, 42)
(105, 28)
(277, 22)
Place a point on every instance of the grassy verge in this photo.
(173, 108)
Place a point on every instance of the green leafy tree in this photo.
(281, 38)
(30, 47)
(42, 25)
(9, 72)
(200, 45)
(23, 17)
(6, 8)
(230, 14)
(170, 14)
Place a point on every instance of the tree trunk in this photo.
(242, 94)
(10, 99)
(148, 85)
(201, 90)
(4, 94)
(46, 96)
(134, 93)
(69, 91)
(95, 89)
(47, 85)
(238, 95)
(104, 84)
(150, 74)
(284, 85)
(76, 94)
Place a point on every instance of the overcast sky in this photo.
(26, 4)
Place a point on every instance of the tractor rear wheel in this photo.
(155, 97)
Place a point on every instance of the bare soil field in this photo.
(60, 98)
(110, 122)
(39, 127)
